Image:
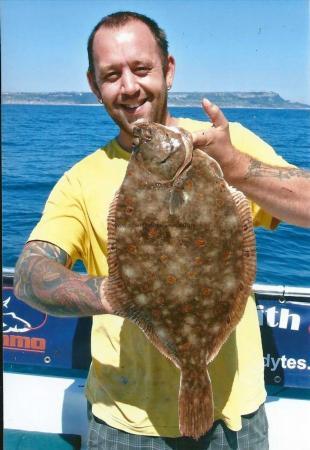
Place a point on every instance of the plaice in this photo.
(181, 255)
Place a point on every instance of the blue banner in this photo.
(31, 337)
(285, 331)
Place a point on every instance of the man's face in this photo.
(129, 76)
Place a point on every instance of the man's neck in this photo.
(124, 142)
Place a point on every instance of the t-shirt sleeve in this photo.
(248, 142)
(63, 219)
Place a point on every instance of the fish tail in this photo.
(195, 404)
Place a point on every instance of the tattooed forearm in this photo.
(42, 281)
(283, 192)
(259, 169)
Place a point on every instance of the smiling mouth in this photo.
(134, 107)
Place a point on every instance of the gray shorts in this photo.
(252, 436)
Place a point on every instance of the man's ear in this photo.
(93, 85)
(170, 71)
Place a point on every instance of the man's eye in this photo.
(113, 76)
(142, 70)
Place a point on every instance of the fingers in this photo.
(213, 111)
(205, 137)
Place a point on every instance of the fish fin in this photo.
(196, 414)
(244, 288)
(115, 292)
(249, 245)
(176, 200)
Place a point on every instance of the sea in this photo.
(40, 142)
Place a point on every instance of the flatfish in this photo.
(181, 255)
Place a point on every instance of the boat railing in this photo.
(280, 291)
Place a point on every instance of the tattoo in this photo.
(259, 169)
(51, 251)
(43, 280)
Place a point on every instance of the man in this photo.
(132, 388)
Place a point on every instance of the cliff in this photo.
(178, 99)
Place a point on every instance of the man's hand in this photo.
(216, 140)
(282, 191)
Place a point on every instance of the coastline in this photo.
(224, 99)
(169, 106)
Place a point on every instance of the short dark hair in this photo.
(121, 18)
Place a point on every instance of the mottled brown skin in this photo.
(181, 258)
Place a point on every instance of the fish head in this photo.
(163, 151)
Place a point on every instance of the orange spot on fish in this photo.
(171, 279)
(163, 258)
(128, 201)
(186, 308)
(153, 232)
(200, 242)
(192, 274)
(129, 210)
(160, 301)
(206, 291)
(131, 248)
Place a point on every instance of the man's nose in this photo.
(129, 83)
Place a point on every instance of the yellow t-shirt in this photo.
(131, 385)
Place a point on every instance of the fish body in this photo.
(181, 254)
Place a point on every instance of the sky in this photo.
(219, 45)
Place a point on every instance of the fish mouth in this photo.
(141, 133)
(171, 152)
(164, 160)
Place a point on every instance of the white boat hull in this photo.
(58, 405)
